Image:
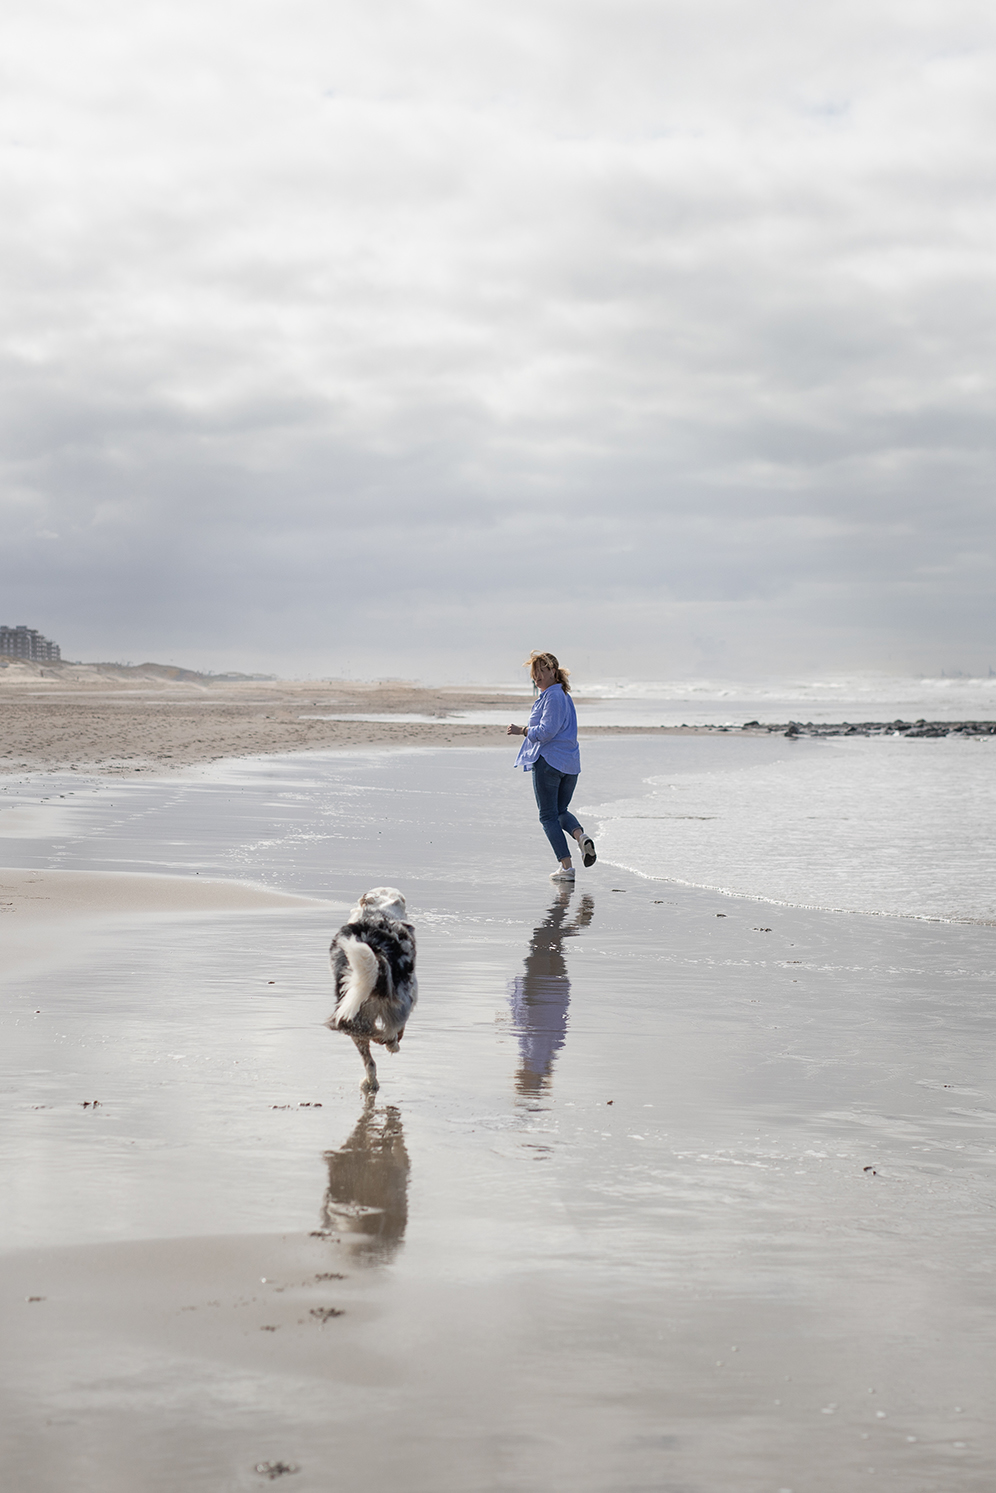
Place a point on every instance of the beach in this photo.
(122, 720)
(668, 1187)
(138, 720)
(151, 718)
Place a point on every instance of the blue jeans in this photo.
(554, 791)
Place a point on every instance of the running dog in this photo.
(373, 965)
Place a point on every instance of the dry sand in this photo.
(132, 720)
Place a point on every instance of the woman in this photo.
(550, 753)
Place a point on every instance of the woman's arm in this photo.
(539, 704)
(553, 716)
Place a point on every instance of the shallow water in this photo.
(873, 825)
(764, 1265)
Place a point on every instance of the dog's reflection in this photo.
(366, 1201)
(541, 995)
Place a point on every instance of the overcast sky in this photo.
(379, 338)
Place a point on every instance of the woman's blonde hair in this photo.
(560, 676)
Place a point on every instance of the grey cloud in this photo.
(412, 331)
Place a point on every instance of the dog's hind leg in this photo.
(369, 1084)
(395, 1041)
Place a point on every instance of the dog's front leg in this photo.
(395, 1041)
(369, 1084)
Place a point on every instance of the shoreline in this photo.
(121, 722)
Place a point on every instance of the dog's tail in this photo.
(360, 980)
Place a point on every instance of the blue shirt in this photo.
(552, 732)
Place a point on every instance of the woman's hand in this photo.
(516, 731)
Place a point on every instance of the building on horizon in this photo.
(25, 642)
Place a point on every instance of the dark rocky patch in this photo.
(908, 729)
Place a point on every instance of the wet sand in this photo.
(42, 911)
(664, 1191)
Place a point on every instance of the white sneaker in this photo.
(587, 846)
(563, 874)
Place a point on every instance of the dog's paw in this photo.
(369, 1086)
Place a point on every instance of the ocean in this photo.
(718, 702)
(845, 697)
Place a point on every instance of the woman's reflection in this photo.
(540, 996)
(367, 1194)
